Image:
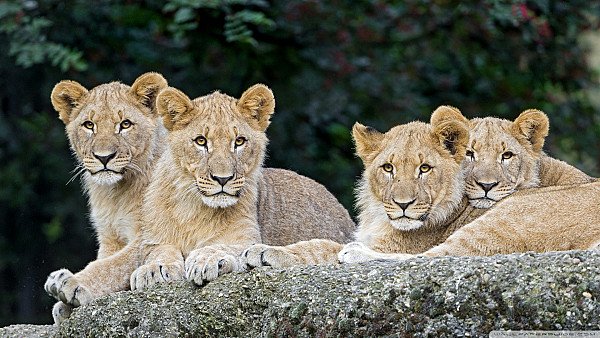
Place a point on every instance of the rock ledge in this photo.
(422, 297)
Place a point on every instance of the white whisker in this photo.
(79, 172)
(78, 167)
(191, 190)
(135, 167)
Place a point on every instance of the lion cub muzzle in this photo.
(484, 194)
(220, 191)
(406, 214)
(106, 167)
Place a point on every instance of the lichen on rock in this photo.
(421, 297)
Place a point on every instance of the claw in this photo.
(262, 259)
(187, 269)
(62, 297)
(74, 300)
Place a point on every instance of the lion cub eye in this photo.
(88, 125)
(388, 167)
(507, 155)
(470, 154)
(240, 141)
(126, 124)
(425, 168)
(201, 141)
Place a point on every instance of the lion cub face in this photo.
(502, 156)
(110, 127)
(216, 140)
(413, 171)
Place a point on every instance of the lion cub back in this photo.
(556, 172)
(293, 208)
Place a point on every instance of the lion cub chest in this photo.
(115, 212)
(188, 225)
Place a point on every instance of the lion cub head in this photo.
(217, 141)
(110, 127)
(503, 156)
(412, 173)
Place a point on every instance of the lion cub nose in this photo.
(222, 180)
(106, 158)
(403, 206)
(487, 186)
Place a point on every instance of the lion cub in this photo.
(116, 135)
(506, 156)
(202, 202)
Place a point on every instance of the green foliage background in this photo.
(329, 63)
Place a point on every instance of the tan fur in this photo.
(223, 227)
(438, 206)
(546, 219)
(406, 146)
(179, 218)
(115, 197)
(527, 167)
(294, 208)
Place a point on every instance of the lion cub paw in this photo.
(357, 252)
(266, 255)
(60, 312)
(205, 264)
(64, 286)
(155, 273)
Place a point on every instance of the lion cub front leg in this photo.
(314, 251)
(67, 288)
(163, 264)
(357, 252)
(109, 244)
(99, 278)
(207, 263)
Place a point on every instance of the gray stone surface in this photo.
(421, 297)
(26, 330)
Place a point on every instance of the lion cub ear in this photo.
(442, 113)
(146, 87)
(66, 96)
(257, 104)
(175, 108)
(367, 141)
(532, 126)
(452, 131)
